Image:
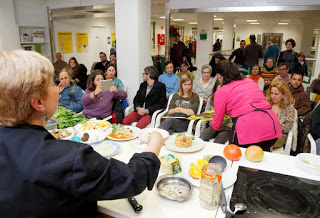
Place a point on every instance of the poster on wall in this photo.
(65, 42)
(82, 42)
(113, 40)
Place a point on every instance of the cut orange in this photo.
(202, 162)
(195, 172)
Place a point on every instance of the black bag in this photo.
(117, 110)
(179, 114)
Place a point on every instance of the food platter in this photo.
(131, 131)
(63, 134)
(92, 124)
(144, 133)
(94, 136)
(197, 145)
(106, 148)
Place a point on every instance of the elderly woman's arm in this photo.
(77, 107)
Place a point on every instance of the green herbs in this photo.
(68, 118)
(115, 127)
(312, 164)
(192, 137)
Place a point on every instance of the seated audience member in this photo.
(184, 69)
(279, 97)
(300, 66)
(238, 53)
(220, 136)
(113, 59)
(184, 103)
(269, 72)
(150, 97)
(254, 123)
(70, 93)
(315, 128)
(157, 64)
(288, 56)
(58, 66)
(104, 62)
(203, 86)
(255, 75)
(186, 58)
(170, 79)
(315, 86)
(301, 98)
(284, 75)
(110, 73)
(273, 50)
(45, 177)
(97, 103)
(216, 58)
(79, 72)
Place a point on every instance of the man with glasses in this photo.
(104, 62)
(150, 97)
(301, 98)
(284, 75)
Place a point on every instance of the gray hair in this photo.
(206, 66)
(152, 71)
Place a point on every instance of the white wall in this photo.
(84, 25)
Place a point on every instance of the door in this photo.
(98, 44)
(266, 37)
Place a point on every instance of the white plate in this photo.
(94, 136)
(144, 133)
(136, 132)
(106, 148)
(197, 144)
(69, 129)
(78, 127)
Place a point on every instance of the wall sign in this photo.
(161, 39)
(82, 42)
(65, 42)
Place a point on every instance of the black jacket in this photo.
(155, 100)
(44, 177)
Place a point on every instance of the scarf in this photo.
(255, 78)
(109, 77)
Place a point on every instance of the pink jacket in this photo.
(240, 99)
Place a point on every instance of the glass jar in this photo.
(210, 187)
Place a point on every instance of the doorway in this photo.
(266, 36)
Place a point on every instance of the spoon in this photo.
(239, 207)
(219, 160)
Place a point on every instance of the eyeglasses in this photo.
(206, 72)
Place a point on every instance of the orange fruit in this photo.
(202, 162)
(195, 171)
(232, 152)
(254, 153)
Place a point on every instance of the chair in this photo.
(245, 71)
(153, 118)
(160, 115)
(313, 147)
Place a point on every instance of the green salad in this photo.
(68, 118)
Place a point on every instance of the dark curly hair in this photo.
(292, 42)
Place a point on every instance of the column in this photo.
(8, 28)
(133, 28)
(316, 70)
(307, 35)
(204, 47)
(227, 42)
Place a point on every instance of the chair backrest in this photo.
(200, 105)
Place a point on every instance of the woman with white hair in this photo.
(42, 176)
(203, 86)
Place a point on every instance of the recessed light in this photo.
(254, 23)
(316, 29)
(193, 22)
(220, 30)
(162, 17)
(218, 19)
(283, 23)
(178, 19)
(214, 16)
(252, 20)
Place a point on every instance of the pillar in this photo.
(227, 42)
(307, 35)
(316, 70)
(133, 28)
(204, 47)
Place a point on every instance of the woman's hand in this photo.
(113, 89)
(98, 89)
(155, 142)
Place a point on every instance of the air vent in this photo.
(216, 28)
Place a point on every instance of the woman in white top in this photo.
(203, 86)
(255, 75)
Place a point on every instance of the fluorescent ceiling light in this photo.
(162, 17)
(193, 22)
(178, 19)
(316, 29)
(214, 16)
(254, 23)
(252, 20)
(283, 23)
(218, 19)
(220, 30)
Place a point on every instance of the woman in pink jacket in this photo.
(254, 122)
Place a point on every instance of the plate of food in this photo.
(92, 136)
(64, 134)
(144, 133)
(119, 132)
(92, 124)
(106, 148)
(205, 116)
(184, 143)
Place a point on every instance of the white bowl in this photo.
(310, 163)
(144, 133)
(94, 136)
(69, 129)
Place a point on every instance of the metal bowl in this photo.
(174, 180)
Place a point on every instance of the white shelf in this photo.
(32, 43)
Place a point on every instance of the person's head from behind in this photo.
(227, 72)
(177, 39)
(185, 86)
(255, 70)
(113, 58)
(150, 73)
(252, 37)
(157, 58)
(59, 56)
(111, 70)
(296, 80)
(218, 57)
(94, 79)
(279, 94)
(65, 76)
(184, 67)
(168, 66)
(206, 71)
(73, 63)
(27, 88)
(242, 44)
(283, 69)
(301, 57)
(103, 57)
(290, 44)
(269, 62)
(272, 40)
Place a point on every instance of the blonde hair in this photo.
(185, 78)
(24, 75)
(273, 39)
(284, 89)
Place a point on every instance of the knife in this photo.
(136, 207)
(223, 200)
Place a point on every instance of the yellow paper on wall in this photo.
(65, 42)
(247, 41)
(113, 39)
(82, 42)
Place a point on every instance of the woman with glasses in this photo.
(184, 69)
(288, 56)
(203, 86)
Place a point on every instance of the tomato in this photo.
(232, 152)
